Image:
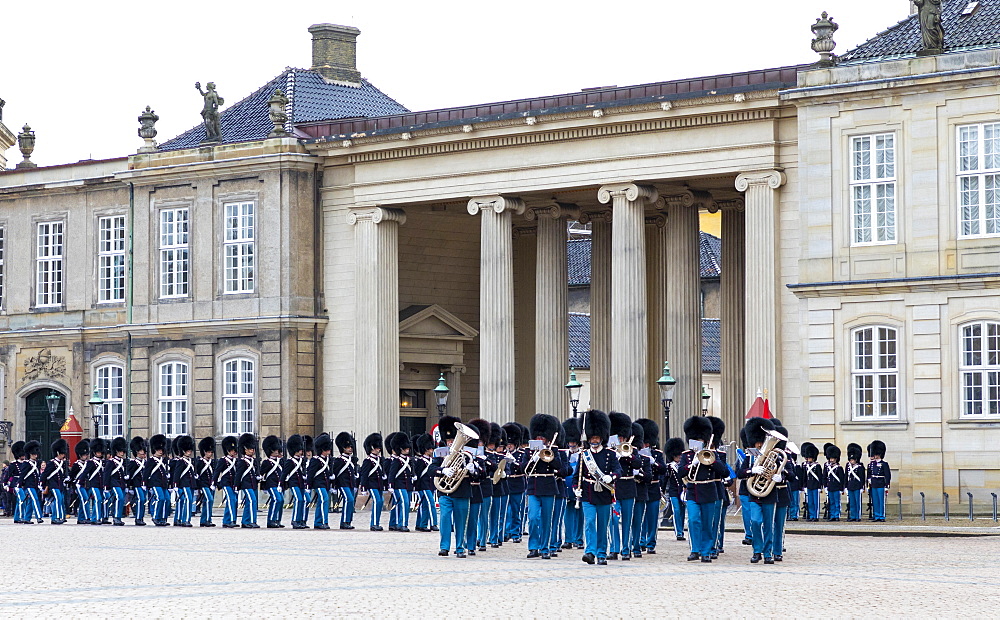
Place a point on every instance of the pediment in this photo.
(433, 321)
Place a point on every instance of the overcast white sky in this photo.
(81, 72)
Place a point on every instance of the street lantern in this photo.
(667, 385)
(52, 402)
(96, 407)
(441, 393)
(573, 387)
(705, 397)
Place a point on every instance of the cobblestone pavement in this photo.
(150, 572)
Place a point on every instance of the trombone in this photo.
(546, 454)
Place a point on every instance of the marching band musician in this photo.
(318, 479)
(596, 472)
(183, 480)
(481, 485)
(855, 481)
(373, 479)
(559, 503)
(573, 518)
(654, 486)
(400, 473)
(719, 526)
(541, 484)
(744, 495)
(625, 488)
(270, 476)
(454, 505)
(424, 484)
(836, 480)
(225, 481)
(784, 498)
(54, 481)
(157, 479)
(345, 478)
(761, 508)
(29, 482)
(495, 450)
(812, 472)
(205, 474)
(672, 451)
(700, 483)
(879, 478)
(642, 476)
(794, 487)
(513, 523)
(114, 479)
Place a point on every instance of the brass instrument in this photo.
(705, 456)
(546, 454)
(772, 460)
(624, 450)
(501, 471)
(458, 459)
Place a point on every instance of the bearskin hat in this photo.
(571, 429)
(118, 444)
(373, 442)
(172, 446)
(343, 441)
(98, 446)
(137, 444)
(294, 444)
(59, 446)
(271, 444)
(543, 425)
(228, 444)
(513, 431)
(322, 444)
(832, 452)
(424, 443)
(82, 449)
(854, 451)
(718, 429)
(17, 449)
(32, 447)
(388, 441)
(596, 423)
(808, 450)
(399, 442)
(826, 447)
(525, 433)
(743, 438)
(650, 432)
(756, 430)
(698, 428)
(784, 431)
(447, 428)
(496, 435)
(638, 435)
(673, 448)
(482, 427)
(184, 443)
(158, 442)
(876, 448)
(621, 424)
(307, 443)
(206, 445)
(247, 441)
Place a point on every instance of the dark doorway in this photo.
(37, 425)
(412, 425)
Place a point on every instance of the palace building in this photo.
(334, 254)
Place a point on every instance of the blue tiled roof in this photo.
(579, 343)
(961, 32)
(578, 259)
(311, 99)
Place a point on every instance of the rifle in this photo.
(826, 508)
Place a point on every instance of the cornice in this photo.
(852, 288)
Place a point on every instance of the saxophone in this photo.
(773, 461)
(458, 459)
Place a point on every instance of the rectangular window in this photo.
(875, 377)
(238, 396)
(873, 189)
(111, 259)
(173, 400)
(980, 369)
(174, 226)
(49, 264)
(110, 385)
(2, 231)
(979, 180)
(238, 254)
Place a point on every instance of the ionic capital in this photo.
(730, 204)
(497, 204)
(554, 210)
(602, 215)
(375, 215)
(687, 198)
(772, 178)
(519, 231)
(656, 219)
(630, 191)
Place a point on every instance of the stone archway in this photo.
(38, 424)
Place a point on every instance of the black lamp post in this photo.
(573, 387)
(705, 397)
(97, 409)
(441, 394)
(667, 385)
(52, 402)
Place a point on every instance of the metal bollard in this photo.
(923, 507)
(947, 511)
(994, 506)
(972, 517)
(899, 496)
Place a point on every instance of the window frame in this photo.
(174, 249)
(3, 250)
(105, 388)
(175, 400)
(989, 390)
(980, 173)
(113, 251)
(50, 259)
(241, 242)
(241, 423)
(872, 182)
(874, 372)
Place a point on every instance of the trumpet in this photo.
(625, 450)
(546, 454)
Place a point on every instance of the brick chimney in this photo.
(334, 51)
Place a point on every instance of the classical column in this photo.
(629, 373)
(551, 309)
(600, 307)
(684, 302)
(656, 299)
(761, 368)
(496, 305)
(734, 407)
(525, 257)
(376, 333)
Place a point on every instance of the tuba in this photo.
(458, 459)
(772, 460)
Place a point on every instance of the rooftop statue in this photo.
(210, 112)
(931, 30)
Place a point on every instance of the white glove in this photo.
(776, 477)
(509, 457)
(448, 471)
(573, 458)
(636, 472)
(606, 479)
(578, 492)
(757, 469)
(471, 467)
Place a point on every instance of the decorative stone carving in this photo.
(824, 44)
(498, 204)
(44, 365)
(931, 29)
(276, 109)
(147, 130)
(210, 112)
(26, 142)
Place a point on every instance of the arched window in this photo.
(109, 381)
(238, 396)
(173, 398)
(875, 373)
(980, 369)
